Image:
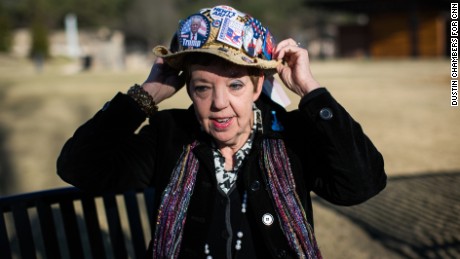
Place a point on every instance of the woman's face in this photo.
(223, 98)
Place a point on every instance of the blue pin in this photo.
(276, 125)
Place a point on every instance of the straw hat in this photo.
(225, 32)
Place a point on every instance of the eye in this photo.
(201, 88)
(236, 85)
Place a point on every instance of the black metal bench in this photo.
(68, 223)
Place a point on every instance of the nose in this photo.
(220, 98)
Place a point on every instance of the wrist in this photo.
(309, 86)
(143, 99)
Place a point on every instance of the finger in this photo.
(156, 68)
(169, 69)
(181, 81)
(161, 70)
(287, 51)
(283, 47)
(285, 43)
(280, 68)
(157, 65)
(159, 60)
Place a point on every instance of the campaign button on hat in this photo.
(268, 219)
(252, 38)
(223, 11)
(269, 45)
(194, 32)
(216, 23)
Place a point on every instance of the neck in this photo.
(228, 153)
(234, 145)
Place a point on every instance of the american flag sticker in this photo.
(231, 32)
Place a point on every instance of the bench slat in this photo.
(23, 230)
(135, 224)
(48, 229)
(92, 226)
(149, 198)
(71, 229)
(115, 230)
(4, 241)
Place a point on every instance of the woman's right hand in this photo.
(163, 81)
(295, 70)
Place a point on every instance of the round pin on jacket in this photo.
(268, 219)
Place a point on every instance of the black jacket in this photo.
(329, 155)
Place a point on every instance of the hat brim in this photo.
(176, 61)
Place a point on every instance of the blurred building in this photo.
(391, 28)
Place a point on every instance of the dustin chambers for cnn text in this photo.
(454, 54)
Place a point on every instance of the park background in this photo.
(387, 62)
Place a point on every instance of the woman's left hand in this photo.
(163, 81)
(295, 71)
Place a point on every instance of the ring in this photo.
(298, 44)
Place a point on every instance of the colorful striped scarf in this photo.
(173, 208)
(274, 162)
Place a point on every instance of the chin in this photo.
(223, 139)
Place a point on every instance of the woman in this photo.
(235, 169)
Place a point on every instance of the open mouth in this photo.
(223, 120)
(222, 123)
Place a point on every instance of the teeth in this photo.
(223, 120)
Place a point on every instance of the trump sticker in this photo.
(194, 32)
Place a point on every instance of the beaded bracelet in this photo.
(143, 98)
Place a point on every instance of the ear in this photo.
(258, 90)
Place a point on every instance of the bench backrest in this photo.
(68, 223)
